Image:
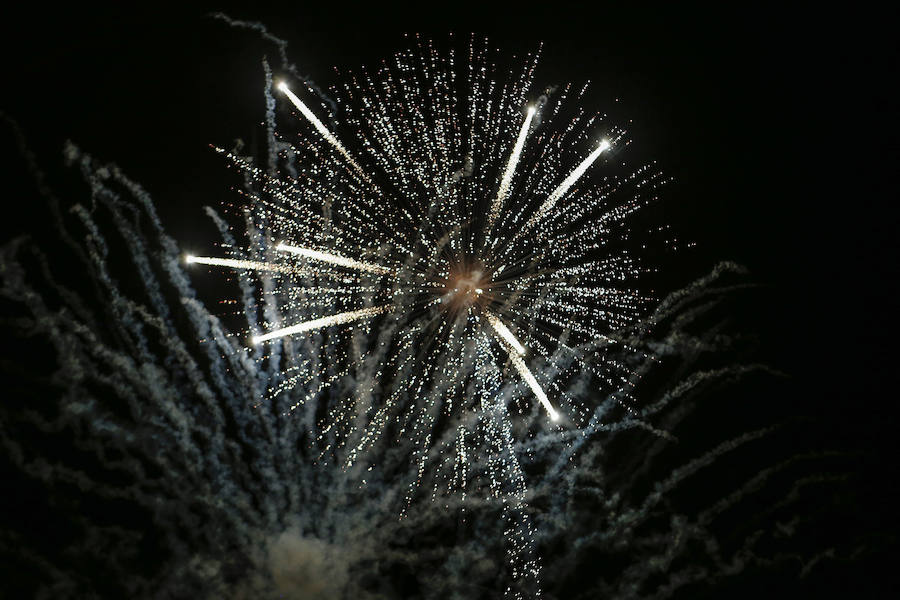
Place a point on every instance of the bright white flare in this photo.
(504, 333)
(237, 264)
(567, 183)
(338, 319)
(516, 351)
(320, 127)
(506, 181)
(333, 259)
(522, 368)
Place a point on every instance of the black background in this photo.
(779, 127)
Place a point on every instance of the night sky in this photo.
(777, 127)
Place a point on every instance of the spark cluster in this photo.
(410, 231)
(458, 229)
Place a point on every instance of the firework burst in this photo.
(427, 270)
(469, 223)
(460, 218)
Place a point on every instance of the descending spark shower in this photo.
(460, 218)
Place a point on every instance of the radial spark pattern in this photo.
(461, 217)
(470, 221)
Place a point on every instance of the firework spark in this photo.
(333, 259)
(320, 127)
(503, 190)
(340, 319)
(566, 184)
(504, 333)
(251, 265)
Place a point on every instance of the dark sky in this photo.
(778, 127)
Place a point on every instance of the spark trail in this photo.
(526, 374)
(506, 180)
(569, 181)
(334, 259)
(252, 265)
(340, 319)
(504, 333)
(320, 127)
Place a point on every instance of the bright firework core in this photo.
(465, 288)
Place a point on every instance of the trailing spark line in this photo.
(504, 333)
(516, 351)
(567, 183)
(337, 319)
(320, 127)
(238, 264)
(503, 190)
(522, 368)
(334, 259)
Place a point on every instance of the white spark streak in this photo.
(320, 127)
(238, 264)
(504, 332)
(334, 259)
(522, 368)
(503, 191)
(567, 183)
(516, 352)
(337, 319)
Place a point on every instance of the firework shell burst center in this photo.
(466, 287)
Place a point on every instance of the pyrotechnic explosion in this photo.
(418, 302)
(456, 254)
(523, 241)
